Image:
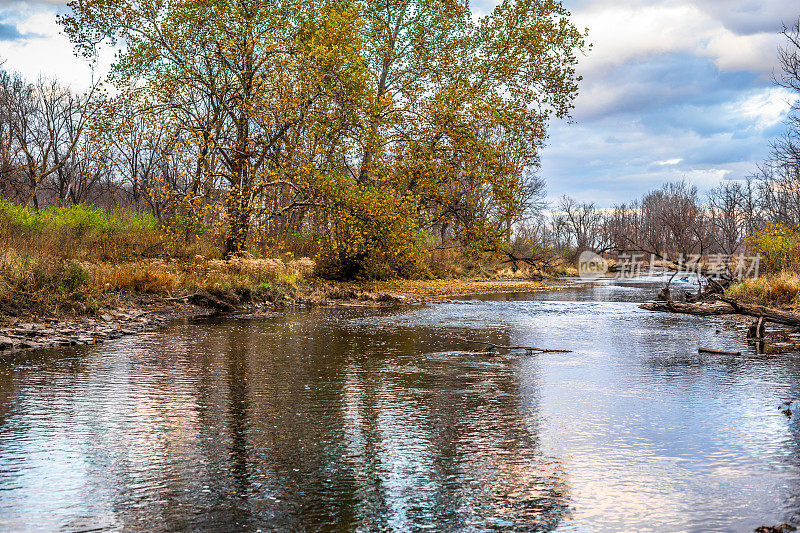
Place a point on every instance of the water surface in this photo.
(384, 420)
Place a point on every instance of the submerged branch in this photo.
(717, 352)
(503, 347)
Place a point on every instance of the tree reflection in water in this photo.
(371, 420)
(311, 422)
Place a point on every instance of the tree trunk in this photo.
(717, 308)
(238, 221)
(770, 314)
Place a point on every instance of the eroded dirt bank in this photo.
(125, 314)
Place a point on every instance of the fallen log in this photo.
(510, 348)
(206, 299)
(717, 352)
(716, 308)
(770, 314)
(728, 306)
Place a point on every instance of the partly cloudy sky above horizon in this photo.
(672, 89)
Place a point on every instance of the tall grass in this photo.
(164, 277)
(40, 285)
(781, 289)
(66, 258)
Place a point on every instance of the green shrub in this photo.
(778, 245)
(80, 218)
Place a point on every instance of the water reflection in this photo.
(371, 420)
(318, 421)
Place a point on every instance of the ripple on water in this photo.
(385, 419)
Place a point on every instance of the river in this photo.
(383, 419)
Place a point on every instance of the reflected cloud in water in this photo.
(376, 419)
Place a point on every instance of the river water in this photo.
(365, 419)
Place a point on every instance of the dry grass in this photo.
(775, 290)
(90, 246)
(442, 288)
(38, 284)
(43, 285)
(65, 259)
(164, 277)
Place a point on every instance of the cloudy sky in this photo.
(673, 89)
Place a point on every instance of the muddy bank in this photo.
(124, 314)
(120, 316)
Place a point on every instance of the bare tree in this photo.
(44, 123)
(580, 223)
(787, 149)
(728, 217)
(779, 176)
(667, 223)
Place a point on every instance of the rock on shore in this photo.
(127, 315)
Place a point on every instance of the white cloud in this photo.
(706, 178)
(732, 52)
(616, 159)
(751, 16)
(620, 33)
(47, 52)
(18, 4)
(764, 108)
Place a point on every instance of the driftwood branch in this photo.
(510, 348)
(718, 352)
(729, 306)
(756, 330)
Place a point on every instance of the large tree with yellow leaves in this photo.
(372, 122)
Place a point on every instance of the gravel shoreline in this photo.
(124, 315)
(131, 316)
(134, 314)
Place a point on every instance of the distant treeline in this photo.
(758, 214)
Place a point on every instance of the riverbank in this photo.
(80, 274)
(123, 313)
